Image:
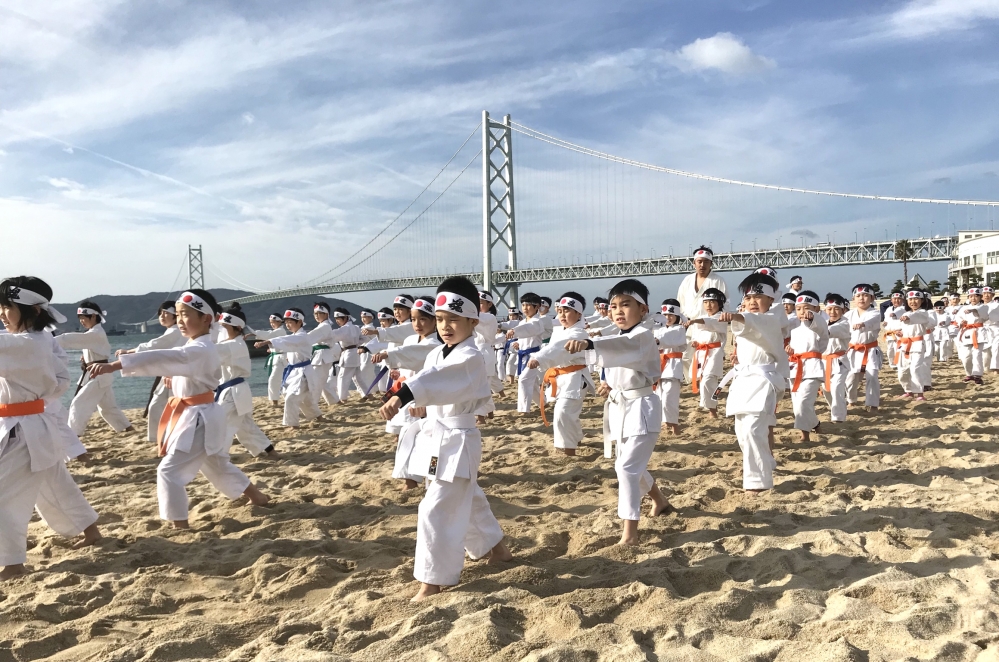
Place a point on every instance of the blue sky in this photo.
(282, 136)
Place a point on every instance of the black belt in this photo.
(349, 346)
(83, 374)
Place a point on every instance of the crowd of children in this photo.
(438, 362)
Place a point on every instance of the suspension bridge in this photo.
(577, 213)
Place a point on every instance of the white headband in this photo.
(711, 297)
(366, 313)
(767, 271)
(863, 289)
(704, 253)
(485, 296)
(637, 297)
(986, 289)
(836, 302)
(913, 294)
(385, 316)
(90, 311)
(569, 302)
(762, 288)
(276, 318)
(795, 280)
(450, 302)
(294, 315)
(169, 309)
(340, 313)
(974, 290)
(29, 298)
(807, 300)
(193, 301)
(424, 306)
(321, 306)
(232, 320)
(670, 309)
(601, 306)
(403, 301)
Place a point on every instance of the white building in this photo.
(977, 253)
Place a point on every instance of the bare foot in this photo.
(410, 485)
(660, 504)
(571, 452)
(499, 554)
(272, 454)
(129, 429)
(91, 536)
(673, 428)
(321, 419)
(805, 436)
(256, 497)
(713, 413)
(871, 409)
(755, 492)
(12, 571)
(629, 533)
(426, 590)
(276, 404)
(180, 524)
(480, 420)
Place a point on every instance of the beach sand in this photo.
(879, 542)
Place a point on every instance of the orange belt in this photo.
(800, 360)
(664, 359)
(171, 414)
(907, 343)
(974, 333)
(551, 379)
(865, 348)
(700, 347)
(22, 408)
(829, 358)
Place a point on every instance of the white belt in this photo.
(618, 398)
(459, 422)
(768, 370)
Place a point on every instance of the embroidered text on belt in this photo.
(974, 333)
(22, 408)
(829, 358)
(799, 371)
(442, 426)
(905, 342)
(220, 389)
(171, 414)
(290, 367)
(619, 399)
(665, 357)
(522, 354)
(698, 348)
(865, 348)
(551, 379)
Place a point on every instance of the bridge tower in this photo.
(195, 268)
(498, 217)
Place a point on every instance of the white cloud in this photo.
(922, 18)
(724, 52)
(248, 118)
(67, 184)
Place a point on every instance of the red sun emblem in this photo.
(441, 300)
(187, 298)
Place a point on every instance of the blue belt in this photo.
(506, 346)
(290, 367)
(223, 386)
(378, 378)
(523, 354)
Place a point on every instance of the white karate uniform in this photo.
(837, 367)
(809, 337)
(913, 357)
(865, 356)
(672, 340)
(325, 354)
(171, 338)
(709, 363)
(454, 517)
(409, 358)
(990, 356)
(237, 400)
(366, 369)
(633, 411)
(691, 306)
(349, 337)
(96, 394)
(528, 334)
(302, 388)
(760, 377)
(942, 341)
(485, 337)
(499, 358)
(197, 442)
(570, 388)
(33, 470)
(969, 336)
(395, 336)
(277, 362)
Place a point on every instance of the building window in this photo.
(966, 262)
(992, 257)
(978, 258)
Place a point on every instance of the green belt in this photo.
(316, 348)
(269, 364)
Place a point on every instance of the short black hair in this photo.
(942, 303)
(367, 312)
(629, 286)
(340, 309)
(89, 303)
(461, 286)
(297, 310)
(796, 277)
(277, 315)
(670, 302)
(597, 300)
(702, 247)
(716, 295)
(754, 279)
(492, 308)
(321, 304)
(429, 300)
(574, 295)
(165, 305)
(385, 311)
(808, 293)
(530, 298)
(32, 319)
(546, 301)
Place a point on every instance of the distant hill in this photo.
(131, 309)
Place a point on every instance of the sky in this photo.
(282, 137)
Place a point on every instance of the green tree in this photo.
(933, 287)
(878, 294)
(952, 283)
(974, 280)
(899, 286)
(904, 252)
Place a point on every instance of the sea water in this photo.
(133, 392)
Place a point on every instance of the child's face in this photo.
(710, 306)
(914, 304)
(422, 324)
(166, 319)
(567, 316)
(454, 329)
(192, 324)
(293, 325)
(757, 303)
(863, 300)
(671, 320)
(275, 324)
(385, 323)
(11, 317)
(974, 299)
(233, 331)
(483, 306)
(626, 311)
(788, 308)
(988, 296)
(340, 321)
(320, 315)
(367, 319)
(834, 313)
(401, 313)
(802, 310)
(939, 309)
(955, 300)
(88, 321)
(529, 309)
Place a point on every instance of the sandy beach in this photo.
(877, 543)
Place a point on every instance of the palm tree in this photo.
(903, 251)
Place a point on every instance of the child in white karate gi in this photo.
(865, 356)
(942, 342)
(566, 377)
(758, 378)
(366, 369)
(708, 341)
(394, 336)
(672, 339)
(34, 437)
(971, 337)
(633, 412)
(408, 359)
(92, 394)
(192, 430)
(808, 340)
(276, 361)
(510, 355)
(835, 364)
(454, 516)
(171, 338)
(299, 381)
(349, 336)
(990, 356)
(486, 331)
(233, 393)
(790, 320)
(912, 356)
(324, 356)
(528, 335)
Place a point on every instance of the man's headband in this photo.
(705, 253)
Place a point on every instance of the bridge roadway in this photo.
(819, 255)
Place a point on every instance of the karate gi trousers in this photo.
(156, 406)
(342, 381)
(96, 395)
(52, 491)
(528, 388)
(245, 429)
(274, 379)
(758, 464)
(914, 372)
(803, 401)
(669, 393)
(297, 405)
(633, 478)
(179, 468)
(327, 377)
(568, 427)
(971, 359)
(836, 396)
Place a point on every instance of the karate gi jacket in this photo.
(809, 336)
(762, 370)
(871, 321)
(297, 348)
(553, 355)
(672, 340)
(235, 358)
(95, 346)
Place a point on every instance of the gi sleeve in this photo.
(85, 340)
(186, 361)
(408, 357)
